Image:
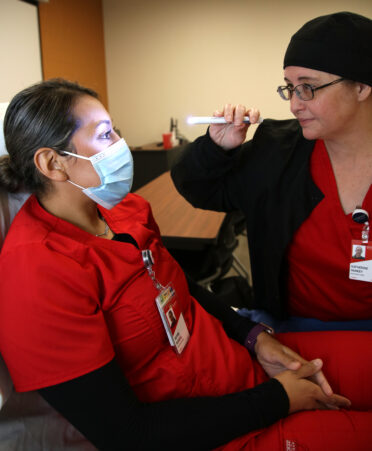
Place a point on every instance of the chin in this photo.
(311, 134)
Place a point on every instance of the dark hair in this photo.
(38, 116)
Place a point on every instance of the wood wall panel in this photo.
(72, 43)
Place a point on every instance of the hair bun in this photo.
(9, 179)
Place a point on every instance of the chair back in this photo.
(9, 206)
(10, 203)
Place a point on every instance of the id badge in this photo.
(361, 260)
(172, 317)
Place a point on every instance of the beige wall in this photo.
(19, 47)
(175, 58)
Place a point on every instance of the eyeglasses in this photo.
(303, 91)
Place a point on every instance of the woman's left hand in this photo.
(275, 358)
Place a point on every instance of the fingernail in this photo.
(317, 362)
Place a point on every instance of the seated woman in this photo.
(85, 279)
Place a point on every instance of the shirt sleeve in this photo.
(200, 174)
(113, 418)
(51, 326)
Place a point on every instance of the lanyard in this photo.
(365, 233)
(361, 217)
(148, 261)
(169, 308)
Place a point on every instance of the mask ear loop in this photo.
(75, 184)
(77, 156)
(361, 216)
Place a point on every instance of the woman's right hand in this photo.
(306, 395)
(231, 135)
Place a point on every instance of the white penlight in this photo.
(194, 120)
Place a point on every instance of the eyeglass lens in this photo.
(303, 91)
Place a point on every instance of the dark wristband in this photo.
(251, 339)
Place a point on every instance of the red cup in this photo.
(167, 140)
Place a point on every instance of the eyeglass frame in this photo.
(294, 89)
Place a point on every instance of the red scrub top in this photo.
(319, 256)
(71, 301)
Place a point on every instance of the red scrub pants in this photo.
(347, 364)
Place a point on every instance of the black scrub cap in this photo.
(339, 44)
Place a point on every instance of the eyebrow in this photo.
(302, 79)
(105, 121)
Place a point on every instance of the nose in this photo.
(115, 136)
(296, 104)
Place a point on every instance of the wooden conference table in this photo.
(181, 225)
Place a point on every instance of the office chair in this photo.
(209, 265)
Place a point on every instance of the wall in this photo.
(19, 47)
(72, 42)
(175, 58)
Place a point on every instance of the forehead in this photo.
(90, 112)
(297, 73)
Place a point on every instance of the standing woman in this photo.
(304, 184)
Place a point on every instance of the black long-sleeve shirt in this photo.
(269, 180)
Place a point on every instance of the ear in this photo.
(364, 91)
(49, 163)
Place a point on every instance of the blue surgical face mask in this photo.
(114, 165)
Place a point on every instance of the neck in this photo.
(355, 141)
(105, 233)
(77, 209)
